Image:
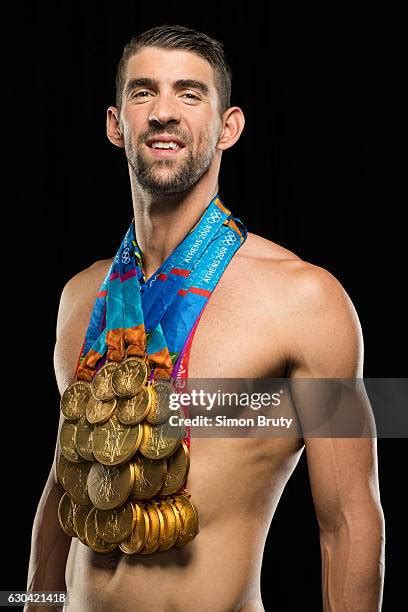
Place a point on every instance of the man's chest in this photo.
(236, 337)
(239, 335)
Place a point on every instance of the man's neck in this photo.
(162, 222)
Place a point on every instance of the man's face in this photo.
(169, 118)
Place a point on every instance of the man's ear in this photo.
(233, 122)
(113, 129)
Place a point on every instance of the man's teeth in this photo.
(164, 145)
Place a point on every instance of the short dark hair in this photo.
(180, 37)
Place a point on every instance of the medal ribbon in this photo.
(154, 318)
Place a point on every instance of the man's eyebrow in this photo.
(192, 84)
(140, 82)
(180, 83)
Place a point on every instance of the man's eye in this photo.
(191, 96)
(140, 94)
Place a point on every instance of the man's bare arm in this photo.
(327, 343)
(50, 545)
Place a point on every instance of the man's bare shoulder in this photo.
(275, 269)
(265, 257)
(258, 247)
(308, 303)
(87, 279)
(79, 293)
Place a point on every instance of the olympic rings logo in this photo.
(230, 239)
(125, 255)
(215, 216)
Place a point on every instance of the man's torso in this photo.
(236, 483)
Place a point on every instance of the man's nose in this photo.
(164, 111)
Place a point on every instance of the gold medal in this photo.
(66, 510)
(80, 516)
(160, 410)
(67, 442)
(83, 439)
(149, 477)
(92, 538)
(137, 539)
(172, 525)
(75, 482)
(114, 443)
(62, 463)
(129, 377)
(115, 525)
(102, 382)
(188, 519)
(156, 529)
(160, 441)
(178, 466)
(98, 412)
(74, 400)
(110, 487)
(132, 410)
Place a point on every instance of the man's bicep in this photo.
(343, 478)
(330, 399)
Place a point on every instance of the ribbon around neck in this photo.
(154, 318)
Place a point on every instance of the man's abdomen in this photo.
(218, 571)
(236, 485)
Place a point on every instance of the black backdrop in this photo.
(318, 169)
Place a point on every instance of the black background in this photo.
(319, 169)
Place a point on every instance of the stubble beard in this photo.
(185, 175)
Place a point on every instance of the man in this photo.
(173, 85)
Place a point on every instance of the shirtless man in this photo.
(297, 316)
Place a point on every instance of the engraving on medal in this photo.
(67, 442)
(75, 482)
(83, 439)
(160, 441)
(114, 443)
(94, 541)
(98, 412)
(115, 525)
(160, 409)
(80, 516)
(66, 509)
(132, 410)
(112, 526)
(178, 466)
(149, 477)
(74, 400)
(62, 464)
(109, 487)
(129, 377)
(102, 382)
(104, 484)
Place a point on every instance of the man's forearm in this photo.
(50, 545)
(353, 563)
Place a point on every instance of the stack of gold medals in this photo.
(122, 464)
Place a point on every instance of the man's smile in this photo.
(165, 145)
